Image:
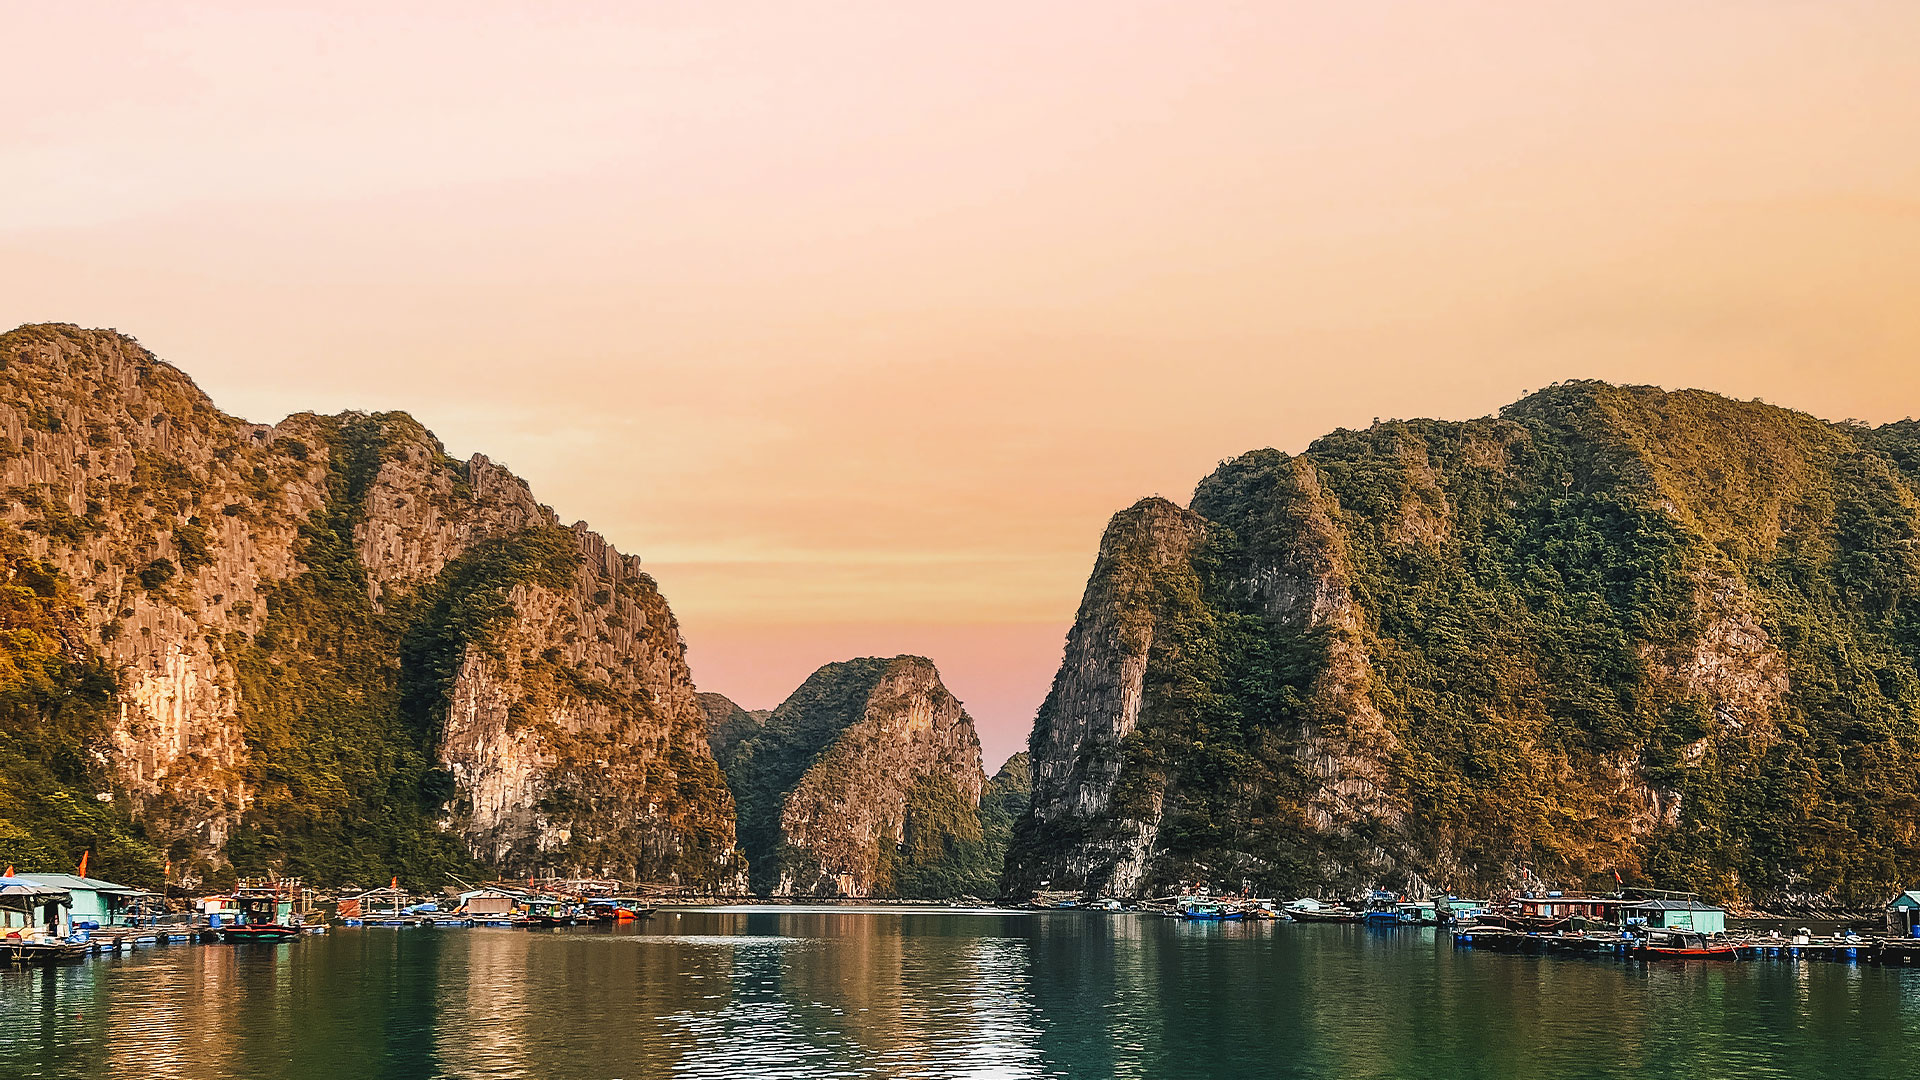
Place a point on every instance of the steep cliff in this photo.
(1612, 629)
(338, 652)
(865, 782)
(55, 710)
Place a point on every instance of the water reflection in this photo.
(744, 995)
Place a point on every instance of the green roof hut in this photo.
(97, 904)
(1903, 915)
(1679, 915)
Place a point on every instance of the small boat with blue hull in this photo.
(1385, 910)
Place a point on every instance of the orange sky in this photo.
(857, 320)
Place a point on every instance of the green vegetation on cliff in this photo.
(763, 766)
(862, 782)
(287, 614)
(1613, 629)
(54, 706)
(341, 737)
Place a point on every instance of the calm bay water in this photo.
(787, 993)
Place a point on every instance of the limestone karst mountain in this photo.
(324, 647)
(728, 723)
(866, 781)
(1611, 630)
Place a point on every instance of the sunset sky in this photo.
(857, 320)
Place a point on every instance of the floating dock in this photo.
(1862, 950)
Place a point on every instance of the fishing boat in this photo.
(260, 917)
(619, 909)
(1210, 911)
(1385, 910)
(1308, 910)
(234, 935)
(548, 913)
(1684, 945)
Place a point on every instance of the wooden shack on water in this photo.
(1903, 915)
(1678, 915)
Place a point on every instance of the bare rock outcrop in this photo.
(1143, 573)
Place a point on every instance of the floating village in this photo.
(48, 918)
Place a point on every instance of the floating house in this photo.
(97, 904)
(1678, 915)
(1560, 905)
(1903, 915)
(488, 903)
(30, 909)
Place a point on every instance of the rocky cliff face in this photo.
(865, 782)
(1611, 630)
(339, 651)
(1143, 578)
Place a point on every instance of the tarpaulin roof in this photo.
(70, 882)
(20, 886)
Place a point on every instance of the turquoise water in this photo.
(787, 993)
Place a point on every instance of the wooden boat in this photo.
(21, 951)
(1684, 945)
(1203, 910)
(621, 908)
(270, 932)
(1325, 915)
(258, 919)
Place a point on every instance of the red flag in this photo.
(9, 869)
(166, 876)
(84, 856)
(1616, 878)
(396, 883)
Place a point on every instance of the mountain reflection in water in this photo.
(742, 994)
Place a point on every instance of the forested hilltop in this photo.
(1612, 630)
(321, 648)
